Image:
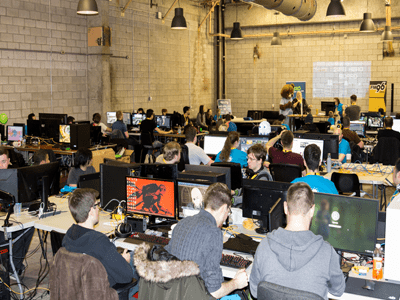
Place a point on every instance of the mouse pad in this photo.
(383, 290)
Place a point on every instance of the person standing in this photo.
(353, 111)
(285, 106)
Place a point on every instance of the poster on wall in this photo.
(377, 95)
(225, 106)
(299, 86)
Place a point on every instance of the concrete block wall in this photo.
(34, 75)
(46, 65)
(258, 82)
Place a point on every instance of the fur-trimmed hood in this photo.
(162, 271)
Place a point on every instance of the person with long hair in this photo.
(201, 118)
(209, 117)
(230, 153)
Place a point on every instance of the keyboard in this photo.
(138, 238)
(234, 261)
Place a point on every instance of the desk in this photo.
(291, 123)
(375, 175)
(165, 137)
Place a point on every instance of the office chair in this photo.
(82, 277)
(284, 172)
(146, 140)
(346, 183)
(271, 291)
(184, 158)
(386, 151)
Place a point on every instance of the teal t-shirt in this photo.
(318, 184)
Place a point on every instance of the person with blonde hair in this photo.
(230, 153)
(171, 154)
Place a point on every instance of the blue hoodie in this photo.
(300, 260)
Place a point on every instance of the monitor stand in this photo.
(263, 229)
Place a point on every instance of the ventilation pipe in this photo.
(303, 10)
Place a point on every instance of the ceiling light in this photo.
(87, 7)
(335, 9)
(178, 22)
(387, 34)
(236, 33)
(276, 40)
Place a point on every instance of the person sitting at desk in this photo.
(121, 126)
(331, 118)
(197, 155)
(21, 246)
(97, 122)
(199, 238)
(31, 116)
(4, 158)
(350, 135)
(140, 111)
(218, 115)
(171, 154)
(229, 124)
(82, 238)
(164, 112)
(201, 118)
(344, 146)
(148, 126)
(186, 117)
(40, 157)
(295, 257)
(312, 161)
(230, 153)
(285, 156)
(256, 156)
(353, 111)
(388, 131)
(82, 166)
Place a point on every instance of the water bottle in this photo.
(377, 272)
(329, 163)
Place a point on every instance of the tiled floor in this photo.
(35, 262)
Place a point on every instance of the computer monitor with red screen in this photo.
(150, 196)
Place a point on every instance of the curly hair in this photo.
(287, 90)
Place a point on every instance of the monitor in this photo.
(260, 201)
(62, 118)
(236, 173)
(205, 176)
(15, 133)
(149, 196)
(191, 194)
(347, 223)
(396, 125)
(65, 136)
(212, 169)
(31, 181)
(50, 128)
(113, 182)
(126, 117)
(299, 144)
(90, 181)
(358, 127)
(161, 171)
(328, 106)
(111, 117)
(163, 121)
(95, 134)
(33, 128)
(213, 144)
(331, 142)
(375, 122)
(245, 142)
(137, 119)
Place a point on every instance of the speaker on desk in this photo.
(80, 136)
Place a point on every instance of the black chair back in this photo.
(346, 183)
(269, 291)
(184, 158)
(387, 151)
(284, 172)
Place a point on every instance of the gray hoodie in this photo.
(299, 260)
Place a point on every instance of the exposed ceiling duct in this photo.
(303, 10)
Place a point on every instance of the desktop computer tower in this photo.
(80, 136)
(392, 242)
(206, 176)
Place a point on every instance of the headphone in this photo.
(123, 230)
